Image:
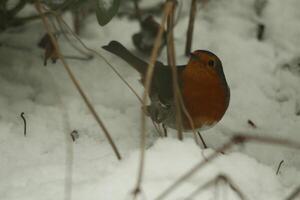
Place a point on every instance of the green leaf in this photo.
(106, 10)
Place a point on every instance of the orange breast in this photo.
(204, 96)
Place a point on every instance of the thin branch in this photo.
(220, 177)
(148, 80)
(279, 166)
(190, 30)
(202, 140)
(24, 120)
(74, 80)
(172, 64)
(63, 23)
(238, 139)
(88, 55)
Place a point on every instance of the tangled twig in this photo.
(24, 120)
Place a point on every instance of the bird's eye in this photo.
(211, 63)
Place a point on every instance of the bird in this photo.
(201, 82)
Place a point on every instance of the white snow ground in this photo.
(38, 166)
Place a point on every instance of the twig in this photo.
(279, 166)
(165, 130)
(172, 64)
(88, 55)
(220, 177)
(260, 31)
(238, 139)
(251, 123)
(75, 82)
(202, 140)
(190, 30)
(74, 135)
(62, 22)
(71, 57)
(148, 80)
(24, 120)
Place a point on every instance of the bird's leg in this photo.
(202, 140)
(165, 130)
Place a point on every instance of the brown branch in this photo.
(190, 30)
(88, 55)
(24, 120)
(279, 166)
(220, 177)
(74, 80)
(63, 23)
(172, 64)
(238, 139)
(148, 80)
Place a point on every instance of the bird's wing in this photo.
(162, 83)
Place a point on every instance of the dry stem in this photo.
(74, 80)
(63, 23)
(148, 80)
(190, 30)
(220, 177)
(238, 139)
(172, 64)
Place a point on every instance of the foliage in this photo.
(106, 10)
(9, 10)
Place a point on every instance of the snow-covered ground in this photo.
(46, 164)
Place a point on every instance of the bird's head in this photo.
(203, 61)
(206, 59)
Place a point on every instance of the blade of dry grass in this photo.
(238, 139)
(74, 80)
(219, 178)
(62, 24)
(172, 64)
(190, 30)
(148, 80)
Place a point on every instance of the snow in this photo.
(46, 162)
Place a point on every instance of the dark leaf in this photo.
(106, 10)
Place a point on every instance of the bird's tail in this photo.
(119, 50)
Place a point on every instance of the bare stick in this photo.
(74, 135)
(279, 166)
(294, 194)
(148, 80)
(189, 36)
(202, 140)
(172, 64)
(63, 23)
(88, 55)
(72, 57)
(165, 130)
(75, 82)
(24, 120)
(220, 177)
(238, 139)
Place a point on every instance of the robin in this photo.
(202, 85)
